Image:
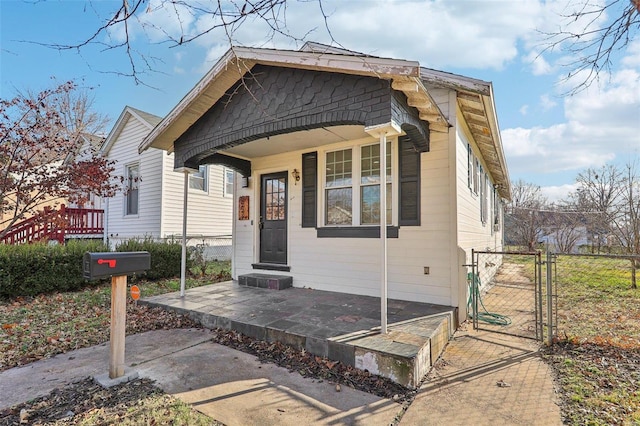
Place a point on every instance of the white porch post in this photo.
(183, 261)
(381, 131)
(383, 233)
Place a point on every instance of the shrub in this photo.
(32, 269)
(165, 257)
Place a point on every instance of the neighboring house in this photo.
(43, 221)
(305, 129)
(89, 147)
(150, 205)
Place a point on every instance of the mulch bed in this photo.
(78, 399)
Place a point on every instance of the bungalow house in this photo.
(309, 132)
(151, 204)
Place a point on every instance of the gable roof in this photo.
(147, 119)
(239, 60)
(475, 97)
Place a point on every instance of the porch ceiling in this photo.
(295, 141)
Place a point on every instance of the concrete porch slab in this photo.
(341, 327)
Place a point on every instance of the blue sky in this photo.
(547, 138)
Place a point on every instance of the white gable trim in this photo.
(113, 135)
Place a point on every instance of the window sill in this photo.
(356, 232)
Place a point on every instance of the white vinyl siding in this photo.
(161, 191)
(352, 265)
(124, 151)
(208, 213)
(475, 227)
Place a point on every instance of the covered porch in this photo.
(342, 327)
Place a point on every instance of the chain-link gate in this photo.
(512, 293)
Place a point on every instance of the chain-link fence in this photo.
(505, 293)
(213, 248)
(207, 247)
(598, 297)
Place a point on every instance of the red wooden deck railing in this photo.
(56, 225)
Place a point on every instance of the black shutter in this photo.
(309, 189)
(409, 162)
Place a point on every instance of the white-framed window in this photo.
(469, 166)
(476, 175)
(227, 188)
(198, 180)
(484, 184)
(497, 209)
(132, 196)
(352, 186)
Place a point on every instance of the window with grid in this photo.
(370, 184)
(355, 182)
(338, 188)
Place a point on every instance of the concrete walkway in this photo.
(228, 385)
(483, 378)
(487, 378)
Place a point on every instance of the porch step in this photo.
(273, 282)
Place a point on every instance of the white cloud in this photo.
(556, 193)
(602, 123)
(539, 65)
(158, 23)
(437, 33)
(547, 103)
(632, 59)
(524, 109)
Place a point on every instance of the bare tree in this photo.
(592, 33)
(627, 219)
(130, 16)
(564, 227)
(598, 196)
(524, 221)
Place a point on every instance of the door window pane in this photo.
(275, 199)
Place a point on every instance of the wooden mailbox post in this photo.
(116, 265)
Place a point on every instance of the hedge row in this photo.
(32, 269)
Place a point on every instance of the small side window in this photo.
(228, 182)
(133, 189)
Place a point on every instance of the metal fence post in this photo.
(474, 290)
(549, 339)
(538, 302)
